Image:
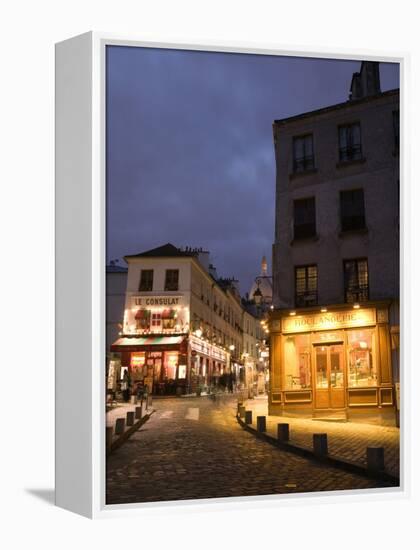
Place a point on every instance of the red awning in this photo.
(127, 344)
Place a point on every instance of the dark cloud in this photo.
(190, 155)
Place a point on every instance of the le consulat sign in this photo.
(144, 301)
(330, 320)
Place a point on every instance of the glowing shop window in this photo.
(297, 363)
(321, 367)
(170, 364)
(182, 371)
(137, 360)
(361, 353)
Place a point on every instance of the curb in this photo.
(328, 460)
(129, 432)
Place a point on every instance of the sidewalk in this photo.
(346, 441)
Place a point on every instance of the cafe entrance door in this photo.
(329, 376)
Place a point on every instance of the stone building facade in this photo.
(335, 324)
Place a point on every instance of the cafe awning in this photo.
(127, 343)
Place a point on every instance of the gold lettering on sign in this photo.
(329, 321)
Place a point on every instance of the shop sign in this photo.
(144, 301)
(328, 321)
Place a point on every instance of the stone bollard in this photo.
(283, 432)
(248, 417)
(130, 418)
(138, 413)
(149, 402)
(320, 442)
(375, 459)
(119, 426)
(261, 424)
(242, 411)
(109, 431)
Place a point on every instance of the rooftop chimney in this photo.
(366, 82)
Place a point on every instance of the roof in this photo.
(337, 106)
(116, 269)
(167, 250)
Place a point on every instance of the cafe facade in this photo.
(181, 330)
(333, 364)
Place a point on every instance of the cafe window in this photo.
(169, 318)
(304, 220)
(350, 144)
(171, 279)
(352, 206)
(156, 320)
(297, 362)
(361, 358)
(303, 153)
(356, 280)
(146, 280)
(170, 364)
(306, 285)
(142, 319)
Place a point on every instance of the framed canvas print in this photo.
(228, 262)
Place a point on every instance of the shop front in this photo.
(208, 364)
(333, 364)
(156, 362)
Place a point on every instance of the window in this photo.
(306, 286)
(356, 280)
(142, 319)
(297, 365)
(304, 218)
(169, 317)
(146, 280)
(156, 320)
(396, 124)
(361, 354)
(303, 153)
(350, 145)
(171, 279)
(352, 205)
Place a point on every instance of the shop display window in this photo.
(297, 362)
(170, 364)
(361, 358)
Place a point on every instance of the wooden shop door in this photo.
(329, 376)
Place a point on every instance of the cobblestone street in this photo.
(194, 448)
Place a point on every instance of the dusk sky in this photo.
(190, 155)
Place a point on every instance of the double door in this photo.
(329, 376)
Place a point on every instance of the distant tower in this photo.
(263, 283)
(264, 266)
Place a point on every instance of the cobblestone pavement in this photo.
(346, 440)
(194, 448)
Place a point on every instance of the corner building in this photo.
(335, 324)
(183, 325)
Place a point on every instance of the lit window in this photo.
(356, 280)
(297, 362)
(362, 367)
(156, 319)
(306, 285)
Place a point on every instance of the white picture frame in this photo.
(80, 274)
